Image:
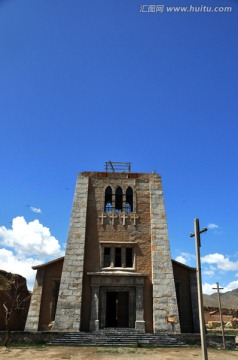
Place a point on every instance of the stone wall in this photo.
(68, 314)
(33, 317)
(164, 295)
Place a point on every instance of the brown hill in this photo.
(13, 291)
(229, 299)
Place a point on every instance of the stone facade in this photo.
(68, 313)
(35, 306)
(164, 297)
(117, 270)
(45, 295)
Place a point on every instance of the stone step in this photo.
(116, 338)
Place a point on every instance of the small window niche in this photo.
(108, 200)
(129, 257)
(118, 257)
(129, 200)
(118, 200)
(107, 257)
(55, 294)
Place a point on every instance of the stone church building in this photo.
(117, 271)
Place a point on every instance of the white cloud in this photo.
(23, 267)
(221, 262)
(26, 245)
(36, 210)
(209, 272)
(208, 288)
(31, 238)
(212, 226)
(185, 258)
(181, 259)
(231, 286)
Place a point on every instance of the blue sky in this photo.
(82, 83)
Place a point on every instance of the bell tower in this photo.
(117, 270)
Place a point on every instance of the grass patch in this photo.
(124, 350)
(16, 345)
(226, 332)
(109, 351)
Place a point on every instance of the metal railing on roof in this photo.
(112, 166)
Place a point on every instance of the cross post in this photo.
(197, 233)
(221, 318)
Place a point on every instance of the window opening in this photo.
(129, 200)
(129, 259)
(55, 290)
(108, 199)
(118, 200)
(117, 257)
(107, 256)
(177, 289)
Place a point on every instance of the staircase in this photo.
(116, 337)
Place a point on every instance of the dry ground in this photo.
(112, 353)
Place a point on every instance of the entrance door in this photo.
(117, 309)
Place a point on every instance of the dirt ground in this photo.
(112, 353)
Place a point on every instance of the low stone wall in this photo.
(21, 337)
(25, 337)
(213, 341)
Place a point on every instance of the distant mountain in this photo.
(229, 299)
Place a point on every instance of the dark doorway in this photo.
(117, 309)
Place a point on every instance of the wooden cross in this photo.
(113, 216)
(197, 233)
(220, 310)
(134, 217)
(103, 216)
(123, 217)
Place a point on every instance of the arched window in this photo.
(108, 199)
(118, 200)
(129, 200)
